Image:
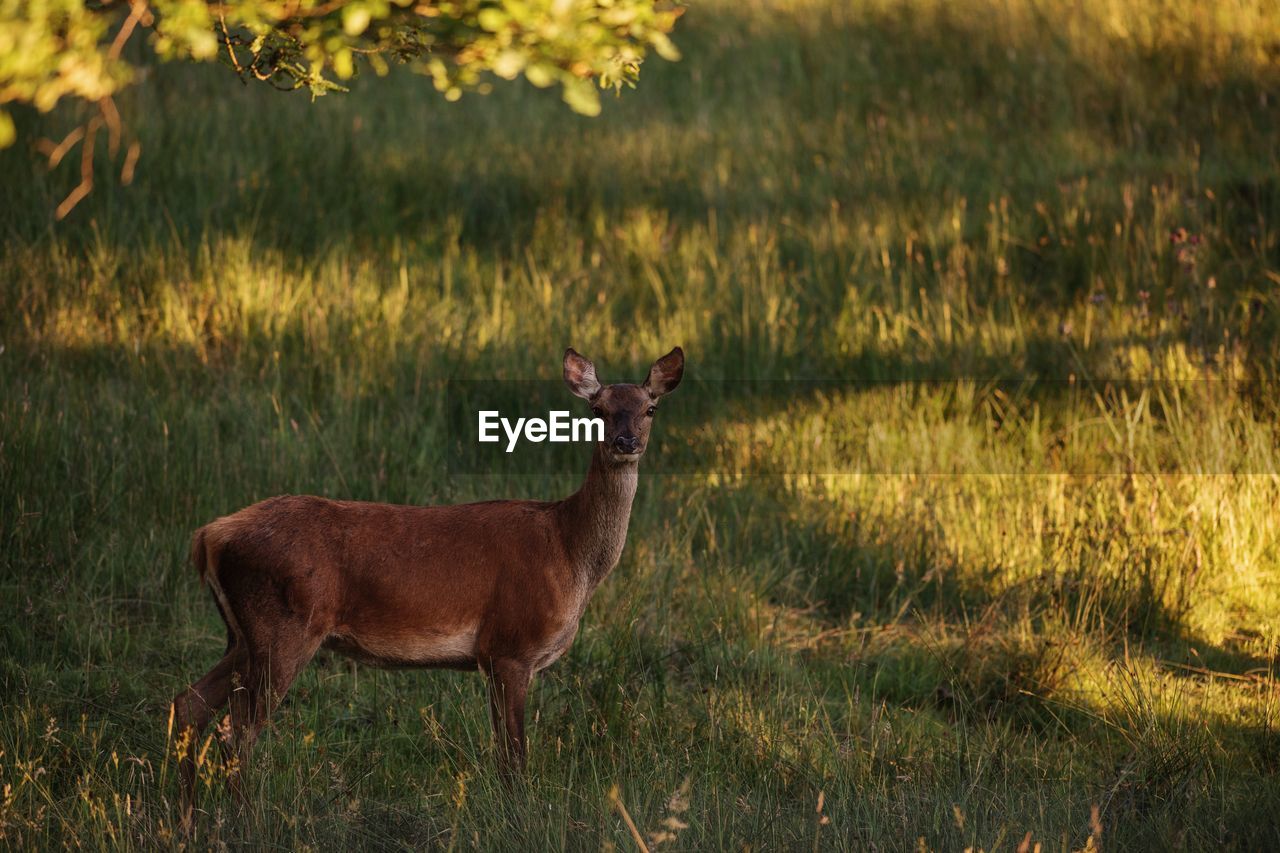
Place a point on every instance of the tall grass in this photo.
(971, 535)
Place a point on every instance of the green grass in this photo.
(1008, 553)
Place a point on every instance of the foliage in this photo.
(53, 49)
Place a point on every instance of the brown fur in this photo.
(498, 586)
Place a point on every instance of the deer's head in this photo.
(626, 409)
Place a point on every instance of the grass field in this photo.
(973, 534)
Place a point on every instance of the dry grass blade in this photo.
(615, 799)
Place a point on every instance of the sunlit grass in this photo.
(971, 529)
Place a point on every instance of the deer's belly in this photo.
(451, 650)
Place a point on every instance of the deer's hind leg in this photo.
(260, 681)
(193, 709)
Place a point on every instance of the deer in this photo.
(498, 587)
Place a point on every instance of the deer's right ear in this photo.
(665, 374)
(580, 375)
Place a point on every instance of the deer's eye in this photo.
(651, 411)
(597, 411)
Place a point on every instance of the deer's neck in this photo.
(594, 519)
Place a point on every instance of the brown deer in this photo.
(498, 586)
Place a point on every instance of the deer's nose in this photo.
(626, 444)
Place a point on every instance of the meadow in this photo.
(965, 537)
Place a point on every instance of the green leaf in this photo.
(355, 19)
(493, 20)
(8, 133)
(508, 64)
(343, 65)
(582, 97)
(664, 47)
(541, 74)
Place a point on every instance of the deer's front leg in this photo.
(508, 687)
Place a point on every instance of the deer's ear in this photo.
(580, 375)
(665, 374)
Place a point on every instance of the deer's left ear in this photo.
(665, 374)
(580, 375)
